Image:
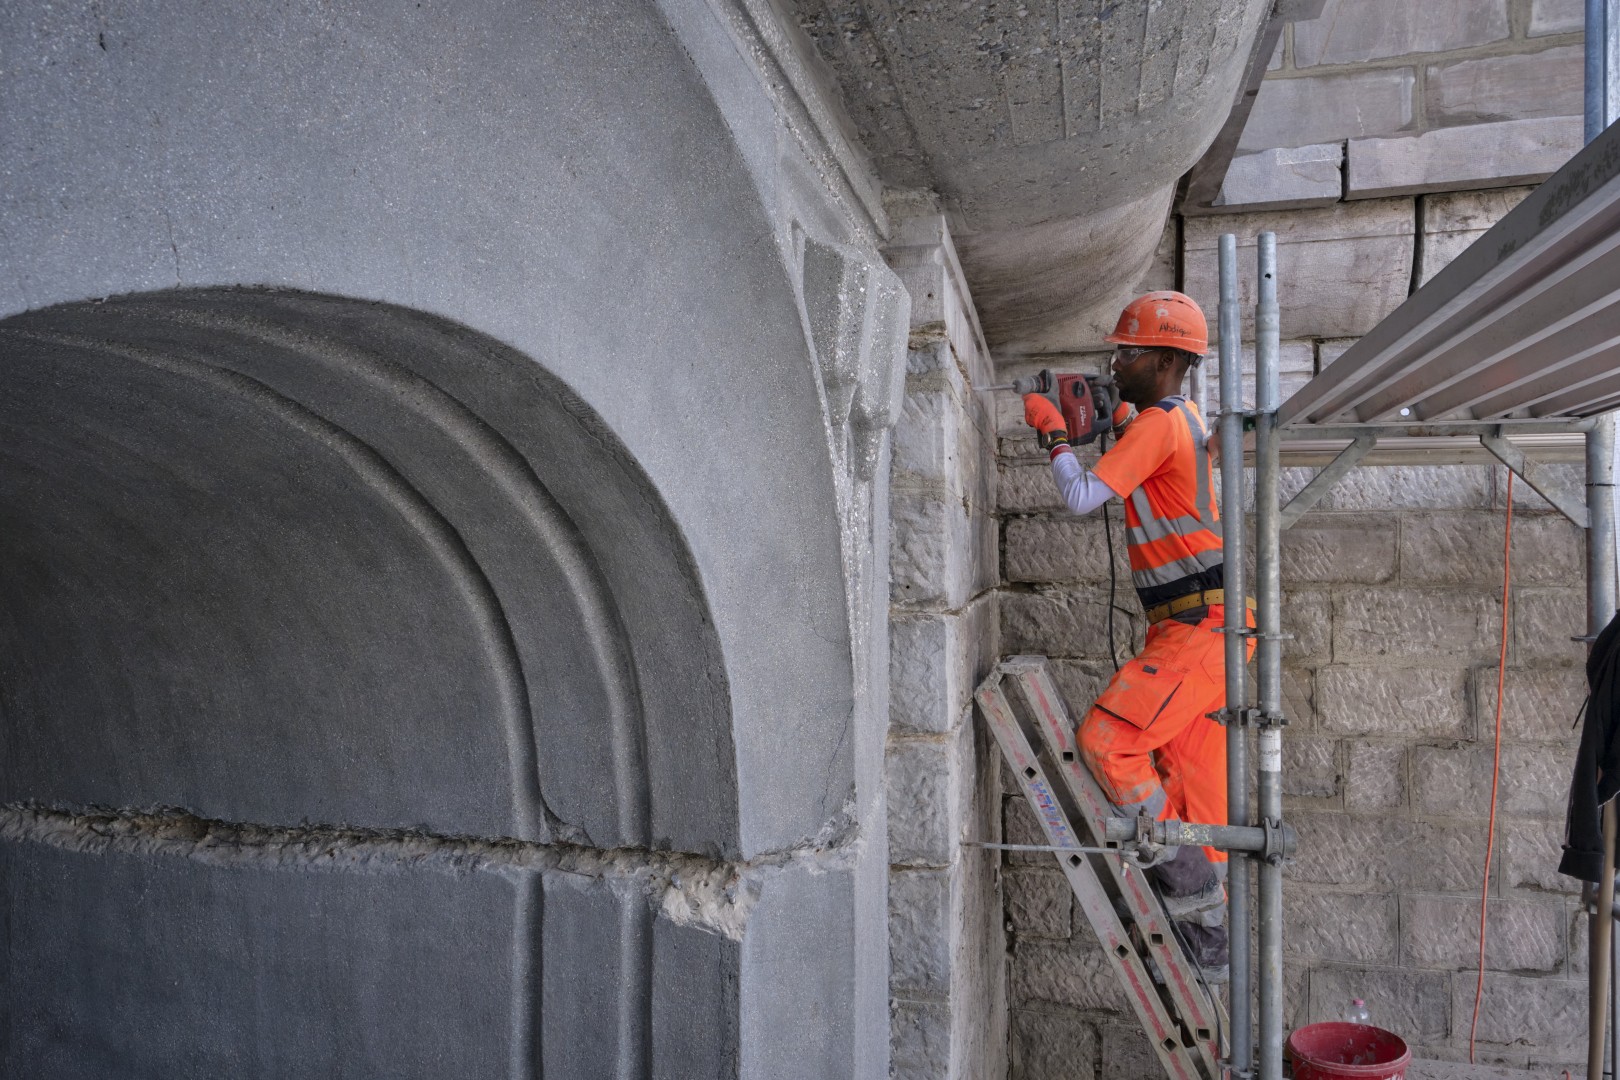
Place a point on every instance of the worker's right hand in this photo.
(1046, 419)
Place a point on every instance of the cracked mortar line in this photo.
(708, 894)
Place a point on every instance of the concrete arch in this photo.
(483, 284)
(267, 477)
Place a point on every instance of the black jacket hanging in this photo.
(1597, 762)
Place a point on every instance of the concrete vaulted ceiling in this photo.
(1055, 133)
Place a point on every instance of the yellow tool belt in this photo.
(1206, 598)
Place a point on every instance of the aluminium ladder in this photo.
(1181, 1016)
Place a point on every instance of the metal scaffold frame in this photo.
(1549, 363)
(1515, 345)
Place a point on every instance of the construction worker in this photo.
(1147, 738)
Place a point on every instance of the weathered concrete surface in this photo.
(378, 503)
(1053, 134)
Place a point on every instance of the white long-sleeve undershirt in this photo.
(1081, 489)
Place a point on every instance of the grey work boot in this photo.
(1207, 947)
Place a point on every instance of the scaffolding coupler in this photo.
(1180, 1014)
(1243, 717)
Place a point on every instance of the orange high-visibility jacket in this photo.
(1161, 469)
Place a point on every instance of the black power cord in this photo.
(1113, 584)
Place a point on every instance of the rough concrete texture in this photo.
(945, 941)
(1053, 134)
(454, 553)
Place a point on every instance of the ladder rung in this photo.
(1163, 1019)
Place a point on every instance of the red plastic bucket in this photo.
(1338, 1051)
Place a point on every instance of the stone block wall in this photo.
(1392, 592)
(946, 982)
(1384, 97)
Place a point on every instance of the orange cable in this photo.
(1496, 764)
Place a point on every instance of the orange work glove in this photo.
(1044, 417)
(1124, 413)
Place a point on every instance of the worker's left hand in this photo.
(1124, 413)
(1046, 419)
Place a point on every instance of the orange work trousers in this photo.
(1148, 738)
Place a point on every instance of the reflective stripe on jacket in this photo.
(1173, 526)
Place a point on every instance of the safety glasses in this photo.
(1129, 354)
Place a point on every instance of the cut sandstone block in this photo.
(1534, 780)
(1348, 927)
(919, 1039)
(1530, 858)
(1454, 220)
(1443, 932)
(1545, 622)
(922, 931)
(1070, 622)
(1452, 857)
(1053, 1043)
(1310, 769)
(1329, 108)
(923, 785)
(1351, 31)
(1414, 625)
(1415, 1003)
(928, 672)
(1347, 852)
(1376, 776)
(1448, 159)
(1466, 549)
(1286, 178)
(1127, 1053)
(1540, 703)
(1338, 549)
(1557, 17)
(1340, 269)
(1066, 548)
(1073, 973)
(1379, 700)
(1541, 1012)
(1027, 487)
(1039, 902)
(1519, 86)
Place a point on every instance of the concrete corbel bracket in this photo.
(858, 312)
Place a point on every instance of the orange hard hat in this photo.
(1168, 319)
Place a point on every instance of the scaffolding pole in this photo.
(1237, 691)
(1602, 92)
(1268, 593)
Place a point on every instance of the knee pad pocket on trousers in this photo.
(1140, 691)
